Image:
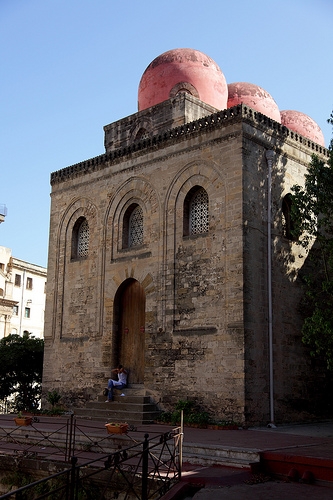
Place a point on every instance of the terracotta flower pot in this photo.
(23, 420)
(116, 428)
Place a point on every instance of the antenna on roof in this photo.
(3, 213)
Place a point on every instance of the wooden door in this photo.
(132, 331)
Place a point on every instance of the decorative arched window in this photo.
(142, 134)
(287, 221)
(80, 239)
(196, 212)
(184, 88)
(133, 226)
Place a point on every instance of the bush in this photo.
(191, 414)
(21, 368)
(53, 398)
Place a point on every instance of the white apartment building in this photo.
(22, 296)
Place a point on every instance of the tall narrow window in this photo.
(133, 226)
(83, 239)
(136, 227)
(196, 212)
(27, 312)
(17, 280)
(29, 283)
(287, 220)
(80, 239)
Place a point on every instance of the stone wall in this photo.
(206, 332)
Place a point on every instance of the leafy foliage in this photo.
(53, 398)
(312, 213)
(191, 413)
(21, 368)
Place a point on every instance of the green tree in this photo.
(21, 368)
(312, 215)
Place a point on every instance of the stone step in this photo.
(133, 418)
(219, 455)
(124, 406)
(131, 390)
(127, 398)
(133, 408)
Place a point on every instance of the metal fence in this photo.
(44, 437)
(145, 469)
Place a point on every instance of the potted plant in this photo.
(22, 420)
(116, 428)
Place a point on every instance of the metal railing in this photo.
(144, 471)
(44, 438)
(60, 438)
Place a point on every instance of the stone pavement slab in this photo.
(272, 490)
(227, 483)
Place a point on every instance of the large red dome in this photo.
(183, 70)
(303, 125)
(255, 97)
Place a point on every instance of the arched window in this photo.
(287, 221)
(196, 212)
(133, 226)
(80, 239)
(184, 88)
(142, 134)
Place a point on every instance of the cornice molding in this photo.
(182, 132)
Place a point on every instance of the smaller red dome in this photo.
(182, 70)
(304, 125)
(255, 97)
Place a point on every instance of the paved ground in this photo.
(311, 440)
(267, 491)
(223, 483)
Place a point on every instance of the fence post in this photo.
(69, 439)
(181, 443)
(73, 479)
(144, 489)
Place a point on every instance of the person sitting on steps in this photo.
(118, 384)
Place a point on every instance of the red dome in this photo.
(303, 125)
(182, 70)
(255, 97)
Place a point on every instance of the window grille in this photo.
(136, 227)
(199, 215)
(142, 135)
(83, 239)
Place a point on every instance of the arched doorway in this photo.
(130, 306)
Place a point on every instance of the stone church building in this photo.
(172, 253)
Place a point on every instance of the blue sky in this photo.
(69, 67)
